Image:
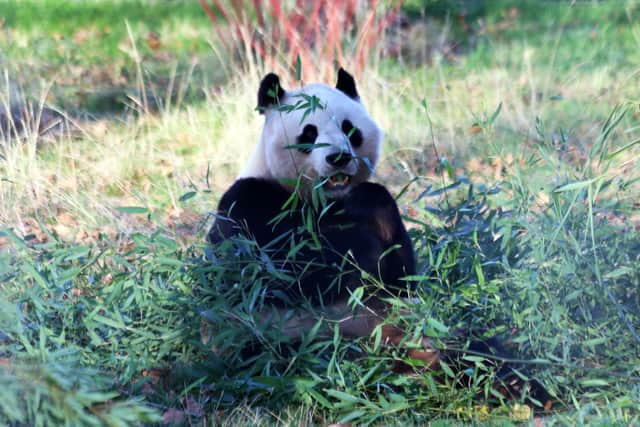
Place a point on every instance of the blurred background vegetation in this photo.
(511, 141)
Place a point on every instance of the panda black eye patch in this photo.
(352, 132)
(307, 138)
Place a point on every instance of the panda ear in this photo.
(270, 92)
(347, 84)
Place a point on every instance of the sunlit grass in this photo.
(153, 159)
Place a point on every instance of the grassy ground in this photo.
(101, 260)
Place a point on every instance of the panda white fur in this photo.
(336, 145)
(341, 113)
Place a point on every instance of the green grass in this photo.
(87, 33)
(87, 48)
(105, 281)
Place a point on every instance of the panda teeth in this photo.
(338, 179)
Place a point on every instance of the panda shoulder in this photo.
(253, 192)
(371, 194)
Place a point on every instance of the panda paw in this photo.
(248, 208)
(372, 204)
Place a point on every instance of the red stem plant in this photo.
(321, 33)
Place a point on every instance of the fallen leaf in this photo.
(127, 246)
(81, 35)
(31, 227)
(194, 408)
(174, 416)
(153, 40)
(87, 236)
(539, 422)
(498, 169)
(154, 374)
(543, 198)
(474, 130)
(184, 222)
(475, 164)
(63, 232)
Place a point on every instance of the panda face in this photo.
(336, 143)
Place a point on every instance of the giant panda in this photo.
(318, 139)
(322, 138)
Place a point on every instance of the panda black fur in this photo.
(337, 144)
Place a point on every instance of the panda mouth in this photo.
(337, 181)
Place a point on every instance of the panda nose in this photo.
(339, 159)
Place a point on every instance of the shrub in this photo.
(312, 35)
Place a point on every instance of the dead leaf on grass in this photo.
(174, 416)
(87, 237)
(185, 222)
(155, 374)
(194, 408)
(499, 168)
(412, 212)
(543, 198)
(153, 40)
(476, 164)
(473, 130)
(31, 227)
(127, 246)
(166, 168)
(107, 279)
(82, 35)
